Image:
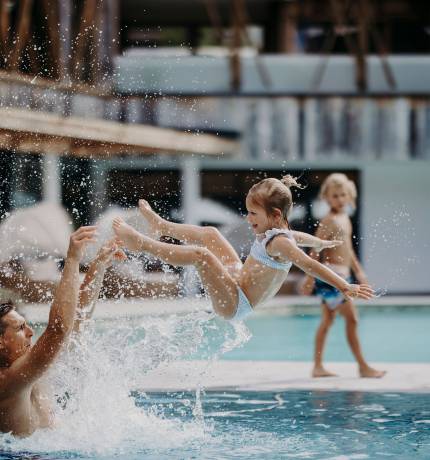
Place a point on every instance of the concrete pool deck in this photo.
(282, 376)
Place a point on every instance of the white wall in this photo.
(395, 225)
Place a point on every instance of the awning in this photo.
(30, 131)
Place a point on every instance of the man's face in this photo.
(16, 339)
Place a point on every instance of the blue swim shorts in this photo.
(329, 294)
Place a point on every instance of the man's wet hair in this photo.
(5, 308)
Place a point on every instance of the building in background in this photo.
(305, 86)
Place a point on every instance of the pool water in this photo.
(386, 335)
(294, 424)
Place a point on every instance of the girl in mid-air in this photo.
(236, 289)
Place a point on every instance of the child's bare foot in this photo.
(154, 221)
(127, 234)
(320, 371)
(369, 372)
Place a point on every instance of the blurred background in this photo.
(188, 103)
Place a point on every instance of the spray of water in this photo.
(96, 376)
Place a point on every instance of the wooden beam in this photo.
(23, 32)
(55, 85)
(31, 131)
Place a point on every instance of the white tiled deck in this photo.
(282, 376)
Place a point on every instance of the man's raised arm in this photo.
(90, 288)
(29, 367)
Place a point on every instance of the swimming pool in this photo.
(295, 424)
(387, 335)
(105, 417)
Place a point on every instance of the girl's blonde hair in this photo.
(339, 180)
(272, 193)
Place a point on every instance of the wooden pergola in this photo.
(29, 131)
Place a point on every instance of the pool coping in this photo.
(233, 375)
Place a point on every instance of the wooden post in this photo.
(235, 76)
(65, 38)
(4, 28)
(22, 34)
(363, 45)
(86, 23)
(287, 27)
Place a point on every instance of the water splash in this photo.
(96, 376)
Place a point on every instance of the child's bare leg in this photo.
(208, 237)
(216, 280)
(327, 318)
(349, 312)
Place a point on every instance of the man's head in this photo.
(15, 334)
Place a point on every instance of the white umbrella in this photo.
(38, 231)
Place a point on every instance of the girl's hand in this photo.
(360, 291)
(325, 244)
(307, 287)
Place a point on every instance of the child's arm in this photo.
(285, 248)
(322, 234)
(306, 240)
(357, 268)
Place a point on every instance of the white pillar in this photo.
(191, 189)
(190, 186)
(51, 179)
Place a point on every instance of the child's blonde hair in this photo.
(339, 180)
(272, 193)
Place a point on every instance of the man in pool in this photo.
(25, 399)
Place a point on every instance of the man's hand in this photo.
(78, 240)
(326, 244)
(109, 251)
(361, 291)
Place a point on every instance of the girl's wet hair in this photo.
(339, 180)
(272, 193)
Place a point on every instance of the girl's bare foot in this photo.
(127, 234)
(155, 222)
(320, 371)
(369, 372)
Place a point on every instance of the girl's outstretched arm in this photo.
(306, 240)
(286, 249)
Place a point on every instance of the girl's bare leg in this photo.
(327, 318)
(208, 237)
(216, 280)
(351, 320)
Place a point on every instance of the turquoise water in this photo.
(101, 416)
(295, 424)
(389, 335)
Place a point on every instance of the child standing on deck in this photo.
(236, 289)
(339, 192)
